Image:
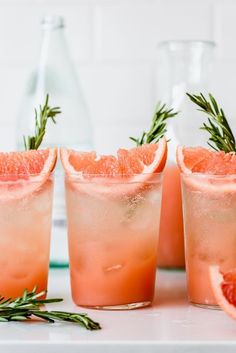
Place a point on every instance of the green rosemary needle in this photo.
(41, 118)
(221, 136)
(29, 305)
(158, 126)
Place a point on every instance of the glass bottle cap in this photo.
(52, 22)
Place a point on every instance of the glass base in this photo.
(171, 268)
(55, 264)
(207, 306)
(131, 306)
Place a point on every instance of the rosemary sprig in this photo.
(221, 136)
(28, 306)
(158, 126)
(41, 118)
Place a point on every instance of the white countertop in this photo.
(170, 325)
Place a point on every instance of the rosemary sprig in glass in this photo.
(28, 306)
(158, 126)
(41, 118)
(221, 136)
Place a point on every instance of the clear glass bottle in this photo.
(184, 66)
(56, 75)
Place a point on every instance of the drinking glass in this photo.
(209, 205)
(113, 228)
(25, 227)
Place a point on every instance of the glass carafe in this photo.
(56, 75)
(184, 66)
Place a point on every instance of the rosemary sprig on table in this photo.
(41, 118)
(221, 136)
(158, 126)
(28, 306)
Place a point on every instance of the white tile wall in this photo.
(132, 29)
(224, 28)
(118, 93)
(113, 43)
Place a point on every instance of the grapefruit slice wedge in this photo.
(202, 160)
(149, 158)
(224, 289)
(136, 165)
(211, 171)
(22, 173)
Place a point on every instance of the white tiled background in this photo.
(113, 44)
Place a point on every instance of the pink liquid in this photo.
(210, 229)
(171, 241)
(25, 226)
(112, 246)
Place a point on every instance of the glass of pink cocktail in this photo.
(113, 238)
(25, 220)
(209, 203)
(113, 223)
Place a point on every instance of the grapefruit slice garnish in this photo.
(145, 159)
(224, 289)
(213, 170)
(202, 160)
(134, 165)
(22, 173)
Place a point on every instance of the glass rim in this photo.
(209, 176)
(25, 176)
(186, 42)
(79, 174)
(144, 178)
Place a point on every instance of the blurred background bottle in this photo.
(184, 66)
(55, 74)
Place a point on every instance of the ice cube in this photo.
(113, 268)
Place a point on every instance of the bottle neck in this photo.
(55, 72)
(53, 46)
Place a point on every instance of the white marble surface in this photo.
(170, 325)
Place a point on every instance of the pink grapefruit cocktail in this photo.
(113, 223)
(25, 220)
(112, 242)
(209, 204)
